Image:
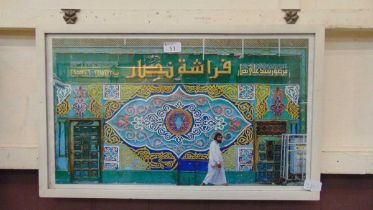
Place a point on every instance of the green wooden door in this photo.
(85, 151)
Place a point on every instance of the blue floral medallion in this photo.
(178, 122)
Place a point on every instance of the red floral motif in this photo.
(278, 107)
(80, 105)
(278, 94)
(123, 122)
(235, 125)
(80, 92)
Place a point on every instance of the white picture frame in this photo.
(47, 186)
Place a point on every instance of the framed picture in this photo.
(163, 114)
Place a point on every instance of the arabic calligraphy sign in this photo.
(261, 69)
(93, 72)
(171, 71)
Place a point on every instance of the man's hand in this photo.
(218, 165)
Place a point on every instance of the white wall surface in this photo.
(347, 139)
(19, 130)
(347, 143)
(331, 13)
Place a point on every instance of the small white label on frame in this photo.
(172, 47)
(313, 186)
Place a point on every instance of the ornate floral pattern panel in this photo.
(178, 122)
(246, 92)
(244, 159)
(111, 157)
(62, 92)
(111, 92)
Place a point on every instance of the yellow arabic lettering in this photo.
(227, 69)
(182, 69)
(208, 67)
(93, 72)
(140, 70)
(253, 69)
(170, 73)
(243, 70)
(196, 69)
(133, 73)
(153, 70)
(148, 71)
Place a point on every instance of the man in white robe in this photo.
(216, 173)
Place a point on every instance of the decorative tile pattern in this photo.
(177, 122)
(95, 93)
(111, 153)
(111, 157)
(244, 159)
(111, 92)
(64, 108)
(62, 92)
(270, 127)
(157, 160)
(111, 166)
(80, 103)
(262, 95)
(292, 91)
(293, 110)
(246, 92)
(131, 161)
(230, 158)
(278, 107)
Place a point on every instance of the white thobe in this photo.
(215, 175)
